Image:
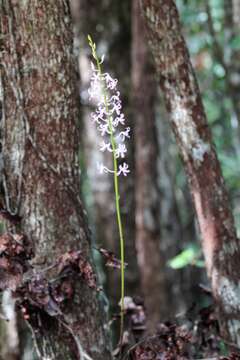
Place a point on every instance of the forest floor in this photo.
(196, 336)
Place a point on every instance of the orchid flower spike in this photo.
(110, 122)
(108, 115)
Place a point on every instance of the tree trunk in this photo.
(183, 101)
(9, 337)
(147, 195)
(41, 177)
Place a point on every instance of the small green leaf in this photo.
(189, 256)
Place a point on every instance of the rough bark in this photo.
(9, 337)
(147, 195)
(41, 175)
(183, 101)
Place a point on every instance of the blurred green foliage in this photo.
(235, 42)
(191, 255)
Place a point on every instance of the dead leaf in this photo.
(110, 259)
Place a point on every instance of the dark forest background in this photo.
(166, 272)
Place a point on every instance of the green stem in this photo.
(120, 228)
(116, 190)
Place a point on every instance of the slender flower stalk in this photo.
(110, 123)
